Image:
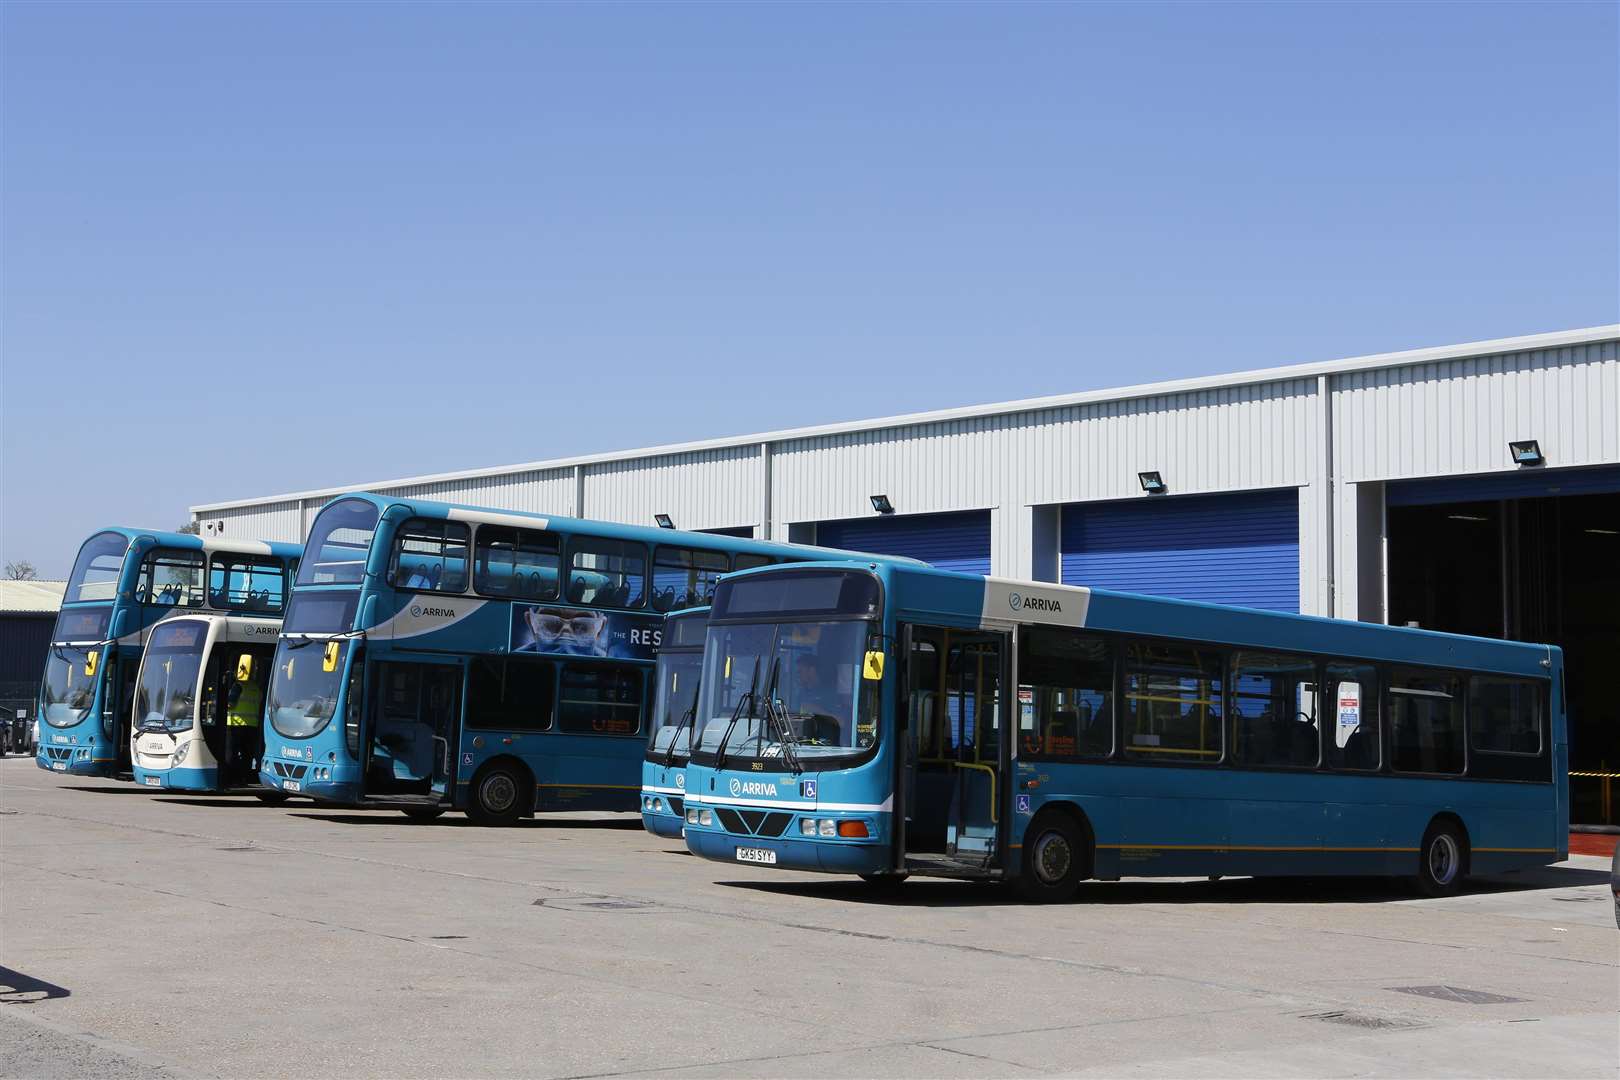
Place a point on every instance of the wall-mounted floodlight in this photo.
(1527, 452)
(882, 505)
(664, 521)
(1152, 483)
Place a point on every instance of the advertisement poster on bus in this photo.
(565, 631)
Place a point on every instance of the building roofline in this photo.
(1376, 361)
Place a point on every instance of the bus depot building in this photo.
(1470, 488)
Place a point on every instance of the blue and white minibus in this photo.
(123, 581)
(199, 703)
(677, 678)
(440, 657)
(886, 720)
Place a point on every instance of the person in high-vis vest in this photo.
(244, 712)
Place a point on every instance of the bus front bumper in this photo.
(182, 779)
(823, 856)
(74, 761)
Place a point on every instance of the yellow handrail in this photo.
(995, 819)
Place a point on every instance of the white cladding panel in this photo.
(1457, 417)
(549, 491)
(705, 489)
(266, 521)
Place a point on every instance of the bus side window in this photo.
(1273, 712)
(430, 556)
(1426, 721)
(1350, 707)
(1065, 694)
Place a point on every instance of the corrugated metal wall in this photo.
(1458, 416)
(701, 490)
(1440, 417)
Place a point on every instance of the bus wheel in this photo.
(1442, 860)
(496, 796)
(1054, 859)
(424, 813)
(271, 798)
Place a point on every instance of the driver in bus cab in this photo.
(818, 698)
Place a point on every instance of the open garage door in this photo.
(958, 541)
(1241, 548)
(1532, 555)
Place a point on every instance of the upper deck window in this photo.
(172, 578)
(685, 577)
(339, 541)
(521, 563)
(430, 555)
(247, 582)
(95, 571)
(745, 561)
(607, 573)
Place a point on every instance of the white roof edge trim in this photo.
(1429, 355)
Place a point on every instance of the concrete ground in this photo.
(161, 935)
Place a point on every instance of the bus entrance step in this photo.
(402, 800)
(929, 864)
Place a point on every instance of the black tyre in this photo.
(271, 798)
(1442, 860)
(424, 813)
(1057, 856)
(497, 795)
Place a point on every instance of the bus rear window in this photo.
(339, 541)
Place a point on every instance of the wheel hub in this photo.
(1052, 858)
(498, 792)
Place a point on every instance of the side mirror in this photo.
(873, 669)
(92, 660)
(244, 667)
(329, 660)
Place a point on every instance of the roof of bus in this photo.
(926, 589)
(612, 530)
(193, 542)
(254, 617)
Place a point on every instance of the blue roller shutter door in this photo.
(1240, 549)
(958, 541)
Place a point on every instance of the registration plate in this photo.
(756, 855)
(59, 766)
(154, 781)
(290, 785)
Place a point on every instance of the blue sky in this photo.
(253, 249)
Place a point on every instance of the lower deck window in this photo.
(1173, 708)
(599, 699)
(1274, 710)
(1065, 695)
(1425, 722)
(509, 695)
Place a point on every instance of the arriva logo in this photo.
(417, 611)
(291, 751)
(680, 781)
(751, 787)
(1034, 603)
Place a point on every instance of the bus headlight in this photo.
(691, 817)
(807, 826)
(658, 804)
(646, 803)
(829, 827)
(180, 753)
(705, 817)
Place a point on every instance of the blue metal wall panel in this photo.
(1241, 548)
(1532, 483)
(948, 541)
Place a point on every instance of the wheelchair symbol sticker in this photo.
(466, 759)
(1023, 804)
(807, 789)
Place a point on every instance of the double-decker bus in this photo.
(198, 713)
(438, 657)
(892, 720)
(123, 581)
(677, 677)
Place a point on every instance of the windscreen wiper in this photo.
(687, 717)
(779, 722)
(748, 700)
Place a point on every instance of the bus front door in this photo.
(415, 716)
(953, 774)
